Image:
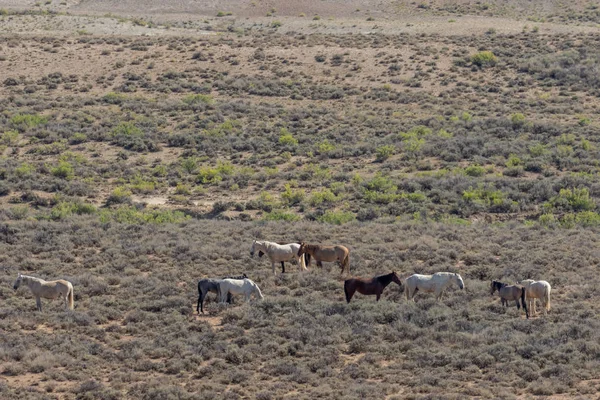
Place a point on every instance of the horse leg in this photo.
(518, 305)
(200, 300)
(319, 264)
(349, 293)
(38, 302)
(282, 267)
(273, 266)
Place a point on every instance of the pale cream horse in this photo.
(435, 283)
(47, 289)
(278, 253)
(537, 290)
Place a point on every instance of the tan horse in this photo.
(328, 254)
(47, 289)
(537, 290)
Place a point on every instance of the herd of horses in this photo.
(224, 288)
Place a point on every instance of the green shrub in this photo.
(63, 170)
(483, 195)
(189, 164)
(325, 147)
(381, 183)
(114, 98)
(537, 150)
(484, 59)
(126, 129)
(475, 170)
(140, 185)
(182, 189)
(286, 138)
(198, 99)
(517, 119)
(10, 138)
(208, 176)
(119, 195)
(322, 196)
(65, 209)
(384, 152)
(337, 217)
(513, 161)
(572, 200)
(23, 122)
(78, 138)
(292, 196)
(24, 170)
(278, 215)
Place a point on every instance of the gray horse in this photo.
(509, 293)
(212, 285)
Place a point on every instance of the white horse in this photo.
(537, 290)
(47, 289)
(279, 253)
(436, 283)
(238, 286)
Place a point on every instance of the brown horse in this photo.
(369, 286)
(510, 292)
(327, 253)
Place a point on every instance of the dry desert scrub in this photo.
(134, 331)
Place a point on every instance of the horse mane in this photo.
(31, 278)
(385, 279)
(499, 284)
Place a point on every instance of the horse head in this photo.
(302, 249)
(18, 281)
(496, 285)
(252, 248)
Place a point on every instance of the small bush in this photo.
(119, 196)
(278, 215)
(484, 59)
(337, 217)
(63, 170)
(384, 152)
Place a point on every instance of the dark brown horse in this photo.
(327, 253)
(369, 286)
(510, 292)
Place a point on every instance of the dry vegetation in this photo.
(135, 165)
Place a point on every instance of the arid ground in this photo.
(146, 144)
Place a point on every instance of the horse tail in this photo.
(70, 297)
(302, 262)
(258, 291)
(306, 259)
(523, 303)
(547, 297)
(346, 263)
